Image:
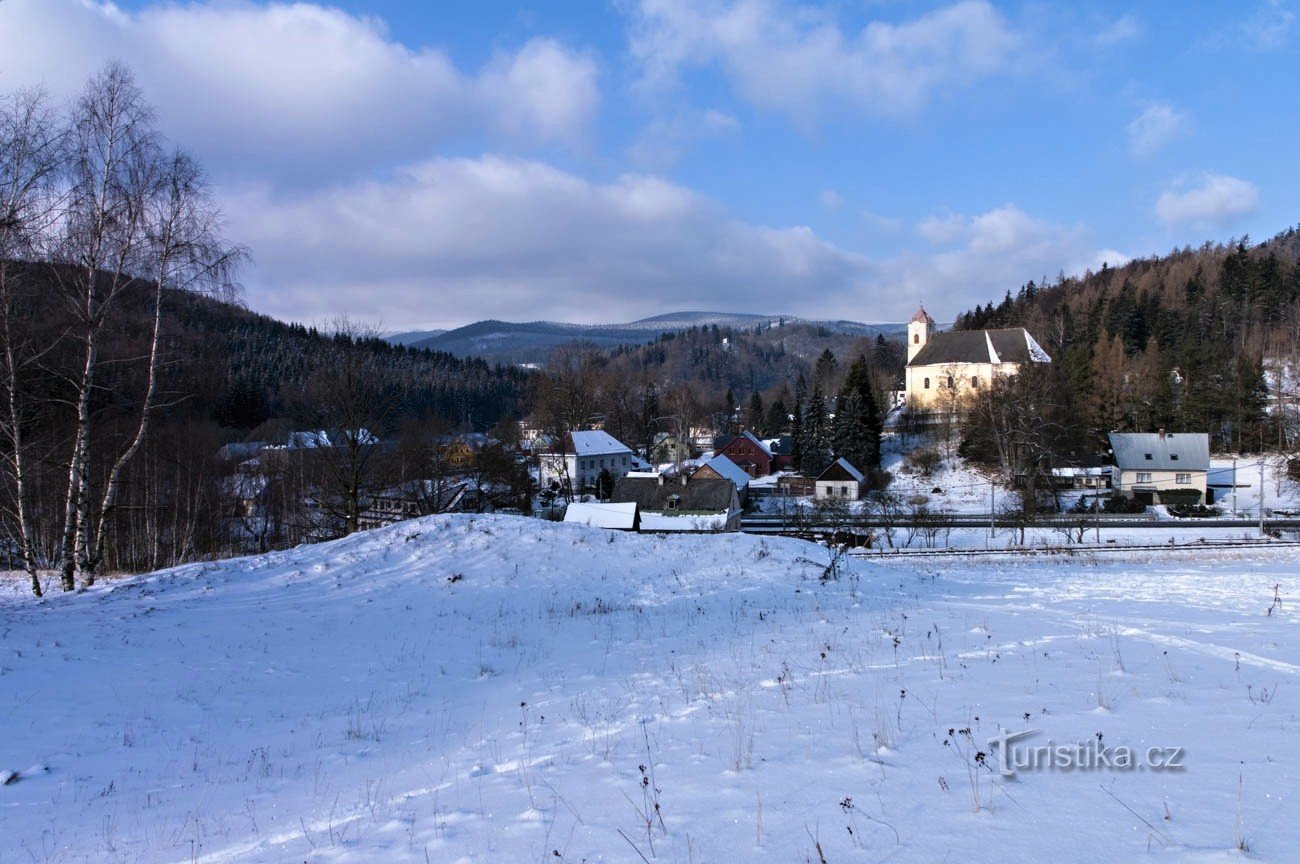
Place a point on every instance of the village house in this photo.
(840, 482)
(580, 458)
(681, 504)
(946, 369)
(721, 468)
(1161, 467)
(411, 500)
(752, 455)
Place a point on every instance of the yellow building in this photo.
(945, 369)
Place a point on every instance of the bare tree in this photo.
(30, 145)
(354, 405)
(136, 222)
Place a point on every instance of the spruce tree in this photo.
(857, 427)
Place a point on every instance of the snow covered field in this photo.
(479, 688)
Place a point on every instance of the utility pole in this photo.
(1261, 496)
(993, 509)
(1234, 487)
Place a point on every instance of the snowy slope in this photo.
(497, 689)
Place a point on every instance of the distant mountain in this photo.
(531, 342)
(410, 337)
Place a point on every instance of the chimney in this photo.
(684, 478)
(1162, 433)
(661, 479)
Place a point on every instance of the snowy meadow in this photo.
(478, 688)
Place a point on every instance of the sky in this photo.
(427, 165)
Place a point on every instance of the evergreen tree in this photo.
(756, 420)
(814, 446)
(857, 426)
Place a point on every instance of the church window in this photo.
(927, 383)
(975, 382)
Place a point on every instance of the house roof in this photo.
(727, 470)
(694, 496)
(724, 443)
(621, 516)
(841, 469)
(783, 446)
(1013, 345)
(1161, 451)
(592, 443)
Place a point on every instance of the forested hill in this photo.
(251, 368)
(1194, 339)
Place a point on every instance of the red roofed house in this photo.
(750, 454)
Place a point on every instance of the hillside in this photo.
(532, 342)
(1177, 341)
(463, 689)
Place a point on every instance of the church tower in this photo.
(918, 332)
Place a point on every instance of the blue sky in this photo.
(427, 165)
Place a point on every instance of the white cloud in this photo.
(1156, 127)
(830, 199)
(1215, 201)
(660, 144)
(1271, 27)
(296, 87)
(979, 258)
(453, 240)
(791, 59)
(1122, 29)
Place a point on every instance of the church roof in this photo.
(922, 316)
(1013, 345)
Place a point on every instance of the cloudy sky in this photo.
(431, 164)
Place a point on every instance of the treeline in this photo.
(1200, 339)
(124, 369)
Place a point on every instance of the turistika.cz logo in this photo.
(1014, 755)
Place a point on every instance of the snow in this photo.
(596, 443)
(489, 688)
(598, 515)
(729, 470)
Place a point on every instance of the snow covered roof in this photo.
(593, 443)
(1013, 345)
(841, 469)
(1100, 471)
(728, 470)
(619, 516)
(1161, 451)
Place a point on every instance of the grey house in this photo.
(1161, 467)
(681, 503)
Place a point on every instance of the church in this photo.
(944, 369)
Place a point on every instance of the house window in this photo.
(673, 501)
(1148, 456)
(1184, 479)
(975, 382)
(1144, 476)
(927, 383)
(1173, 457)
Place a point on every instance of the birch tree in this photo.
(136, 219)
(30, 144)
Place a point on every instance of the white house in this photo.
(840, 481)
(1161, 467)
(580, 457)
